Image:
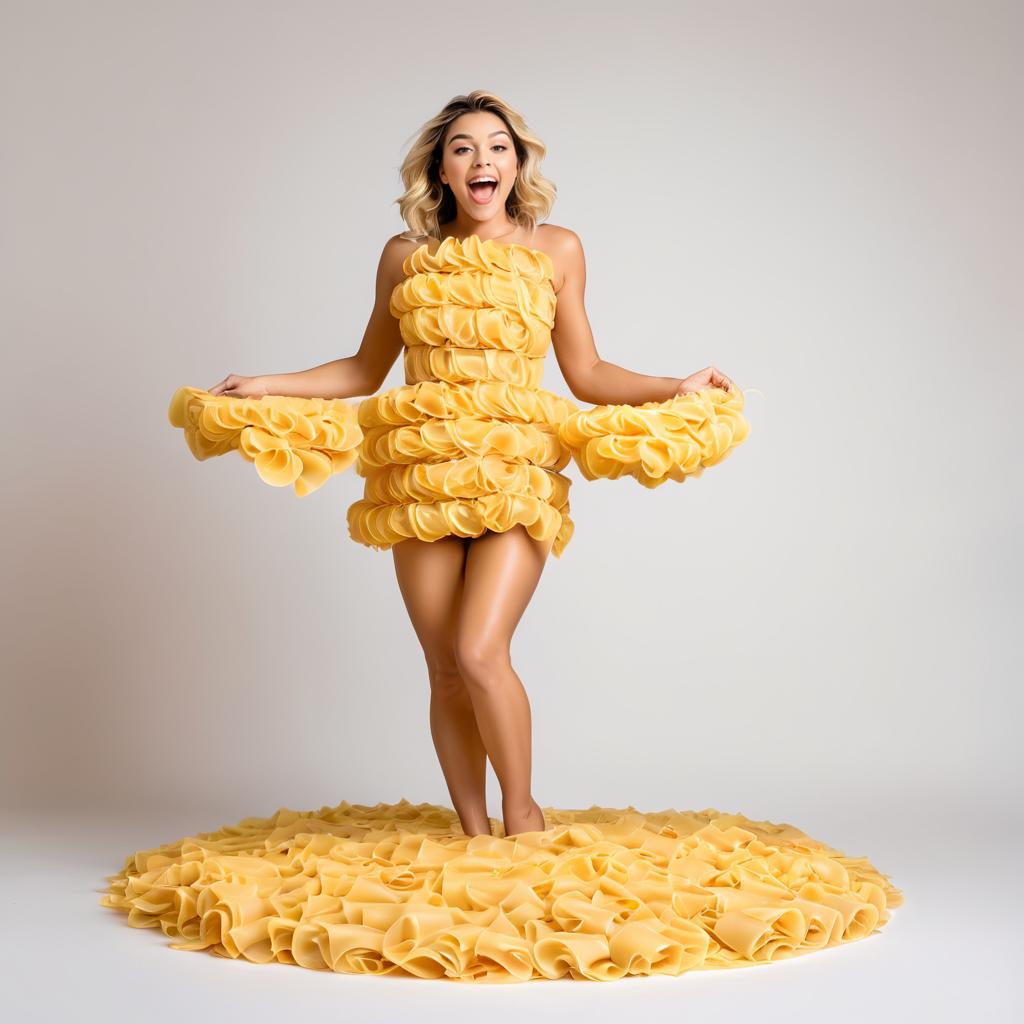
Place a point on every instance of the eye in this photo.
(501, 145)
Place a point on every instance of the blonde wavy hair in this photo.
(427, 203)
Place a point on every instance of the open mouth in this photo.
(483, 191)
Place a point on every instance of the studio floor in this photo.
(948, 952)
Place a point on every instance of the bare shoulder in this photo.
(404, 244)
(564, 247)
(395, 252)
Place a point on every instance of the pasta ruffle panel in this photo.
(473, 328)
(299, 441)
(414, 403)
(470, 477)
(598, 894)
(656, 441)
(476, 289)
(439, 440)
(381, 526)
(485, 254)
(457, 365)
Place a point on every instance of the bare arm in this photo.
(591, 378)
(364, 372)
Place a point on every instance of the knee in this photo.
(480, 661)
(445, 678)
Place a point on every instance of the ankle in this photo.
(475, 826)
(518, 806)
(525, 819)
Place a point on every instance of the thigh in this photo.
(502, 572)
(430, 577)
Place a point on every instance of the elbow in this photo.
(365, 380)
(582, 384)
(581, 395)
(371, 383)
(369, 387)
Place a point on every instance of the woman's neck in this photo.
(461, 232)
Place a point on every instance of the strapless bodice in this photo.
(476, 310)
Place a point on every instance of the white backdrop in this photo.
(822, 199)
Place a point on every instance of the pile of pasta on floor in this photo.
(598, 894)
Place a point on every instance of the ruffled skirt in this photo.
(443, 459)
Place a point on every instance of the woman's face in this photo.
(479, 145)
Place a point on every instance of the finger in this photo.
(719, 379)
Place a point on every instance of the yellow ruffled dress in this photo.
(471, 442)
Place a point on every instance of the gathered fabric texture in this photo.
(470, 442)
(597, 895)
(291, 441)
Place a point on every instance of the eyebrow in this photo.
(463, 135)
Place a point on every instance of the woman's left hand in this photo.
(709, 377)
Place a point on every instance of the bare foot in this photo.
(531, 821)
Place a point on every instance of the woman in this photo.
(473, 178)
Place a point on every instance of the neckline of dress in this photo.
(545, 258)
(488, 241)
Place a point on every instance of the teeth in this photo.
(493, 180)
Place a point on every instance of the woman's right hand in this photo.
(240, 387)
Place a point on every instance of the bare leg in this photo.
(502, 572)
(430, 577)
